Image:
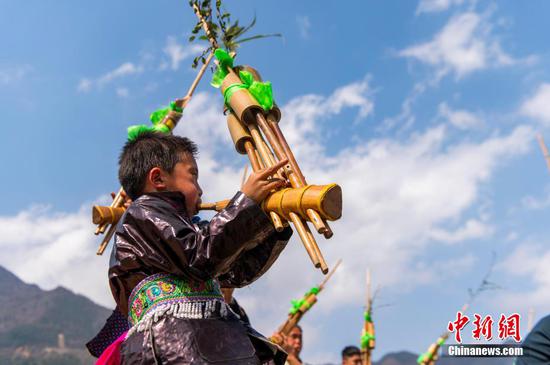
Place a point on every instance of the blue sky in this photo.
(424, 111)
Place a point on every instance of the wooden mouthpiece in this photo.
(106, 215)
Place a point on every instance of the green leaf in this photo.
(259, 36)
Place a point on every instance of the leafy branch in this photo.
(220, 29)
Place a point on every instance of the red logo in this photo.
(458, 325)
(483, 327)
(508, 327)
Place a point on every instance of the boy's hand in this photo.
(260, 183)
(127, 200)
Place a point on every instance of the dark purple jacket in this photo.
(237, 246)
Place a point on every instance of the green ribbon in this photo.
(225, 61)
(297, 304)
(261, 91)
(136, 130)
(422, 358)
(427, 356)
(158, 115)
(366, 338)
(368, 317)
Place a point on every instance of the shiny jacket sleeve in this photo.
(253, 263)
(161, 238)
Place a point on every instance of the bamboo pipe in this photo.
(310, 300)
(327, 278)
(544, 150)
(106, 239)
(295, 181)
(278, 143)
(274, 124)
(307, 239)
(212, 40)
(242, 141)
(117, 202)
(252, 155)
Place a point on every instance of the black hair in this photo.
(149, 150)
(350, 351)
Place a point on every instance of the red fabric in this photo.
(111, 355)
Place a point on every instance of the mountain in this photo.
(398, 358)
(31, 319)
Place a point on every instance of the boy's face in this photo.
(184, 178)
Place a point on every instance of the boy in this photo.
(165, 272)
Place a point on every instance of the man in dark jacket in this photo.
(536, 346)
(165, 271)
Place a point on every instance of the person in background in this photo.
(536, 346)
(293, 346)
(351, 355)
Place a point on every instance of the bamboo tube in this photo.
(296, 317)
(242, 141)
(118, 201)
(327, 278)
(212, 40)
(217, 206)
(310, 298)
(238, 132)
(277, 142)
(325, 199)
(544, 150)
(242, 103)
(322, 263)
(368, 326)
(295, 180)
(106, 215)
(106, 239)
(307, 239)
(252, 155)
(302, 228)
(322, 227)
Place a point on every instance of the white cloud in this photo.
(470, 230)
(461, 119)
(432, 6)
(122, 92)
(125, 69)
(464, 45)
(538, 105)
(52, 248)
(304, 26)
(84, 85)
(177, 53)
(530, 263)
(537, 203)
(12, 74)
